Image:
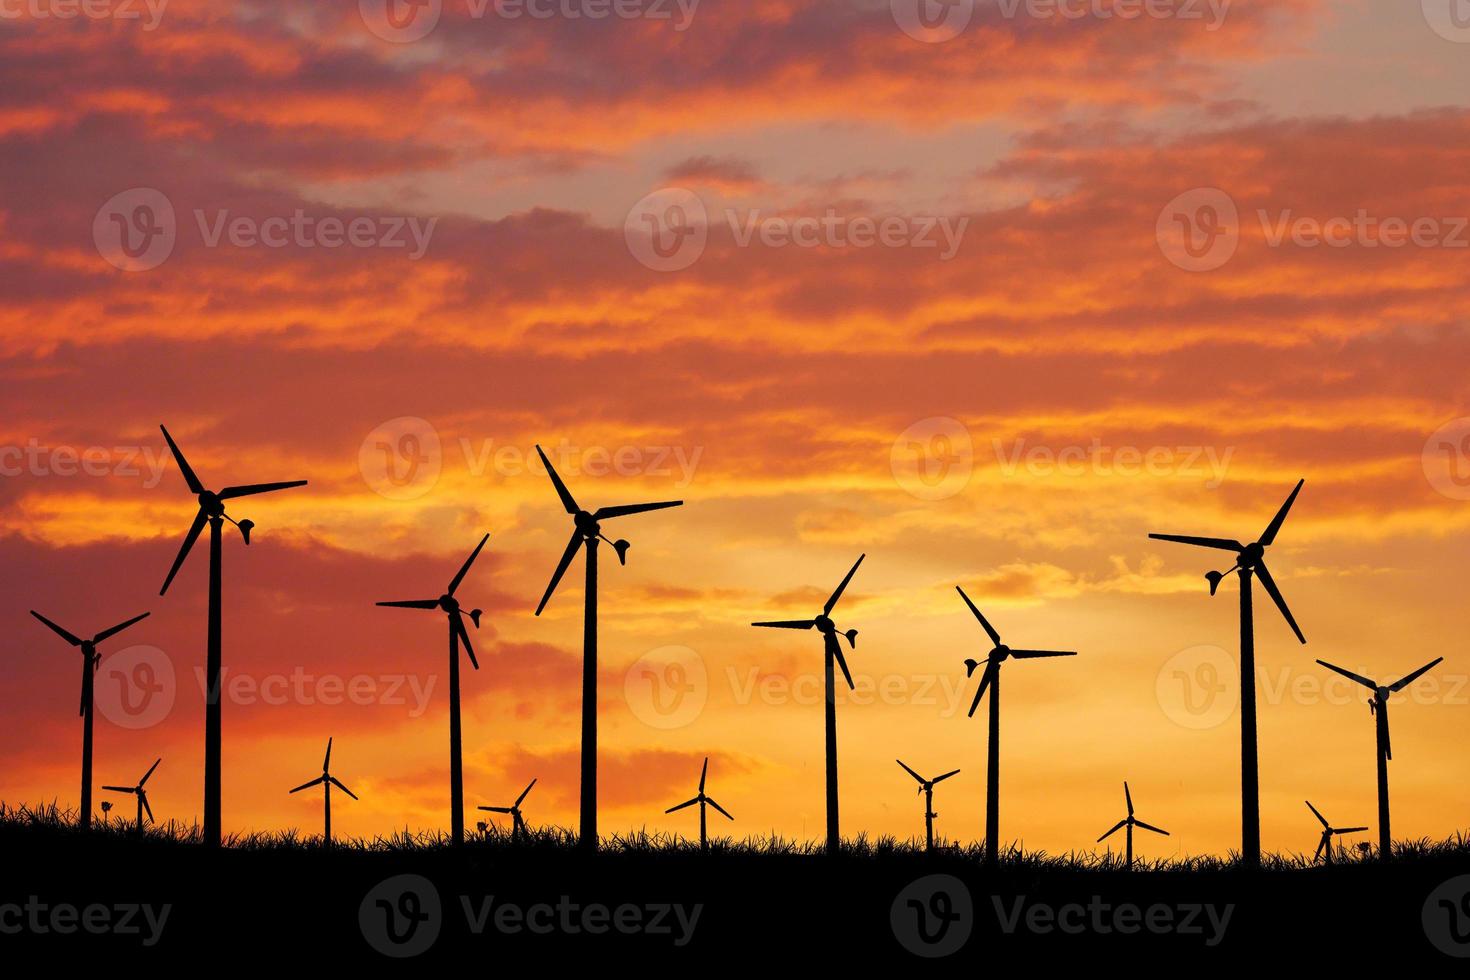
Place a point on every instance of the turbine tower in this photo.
(1250, 563)
(212, 512)
(586, 533)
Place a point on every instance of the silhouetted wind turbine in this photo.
(991, 680)
(1378, 704)
(140, 793)
(587, 532)
(518, 823)
(91, 659)
(926, 786)
(833, 650)
(212, 511)
(703, 801)
(1249, 562)
(449, 605)
(327, 781)
(1325, 845)
(1130, 822)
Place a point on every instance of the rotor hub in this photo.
(1000, 653)
(825, 624)
(587, 525)
(1251, 555)
(210, 503)
(449, 603)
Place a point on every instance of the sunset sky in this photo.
(701, 253)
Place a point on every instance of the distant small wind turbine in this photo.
(327, 781)
(703, 801)
(518, 822)
(833, 648)
(91, 660)
(1378, 704)
(140, 793)
(926, 786)
(1130, 822)
(1328, 831)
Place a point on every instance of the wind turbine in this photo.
(703, 801)
(327, 781)
(833, 648)
(518, 823)
(1130, 822)
(1378, 704)
(587, 532)
(991, 680)
(91, 659)
(212, 511)
(450, 606)
(926, 786)
(1328, 831)
(1249, 563)
(140, 793)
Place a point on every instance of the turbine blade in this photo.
(832, 602)
(1116, 827)
(561, 568)
(721, 809)
(327, 761)
(109, 633)
(1129, 797)
(496, 809)
(454, 584)
(703, 773)
(1149, 826)
(906, 769)
(149, 772)
(251, 489)
(1400, 685)
(338, 783)
(1320, 845)
(1387, 736)
(189, 540)
(1270, 536)
(193, 481)
(456, 623)
(146, 808)
(1264, 575)
(1318, 814)
(525, 791)
(994, 636)
(842, 662)
(121, 789)
(789, 624)
(561, 488)
(319, 779)
(1221, 544)
(682, 805)
(1350, 830)
(1035, 654)
(940, 779)
(1351, 676)
(628, 509)
(980, 692)
(412, 604)
(58, 630)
